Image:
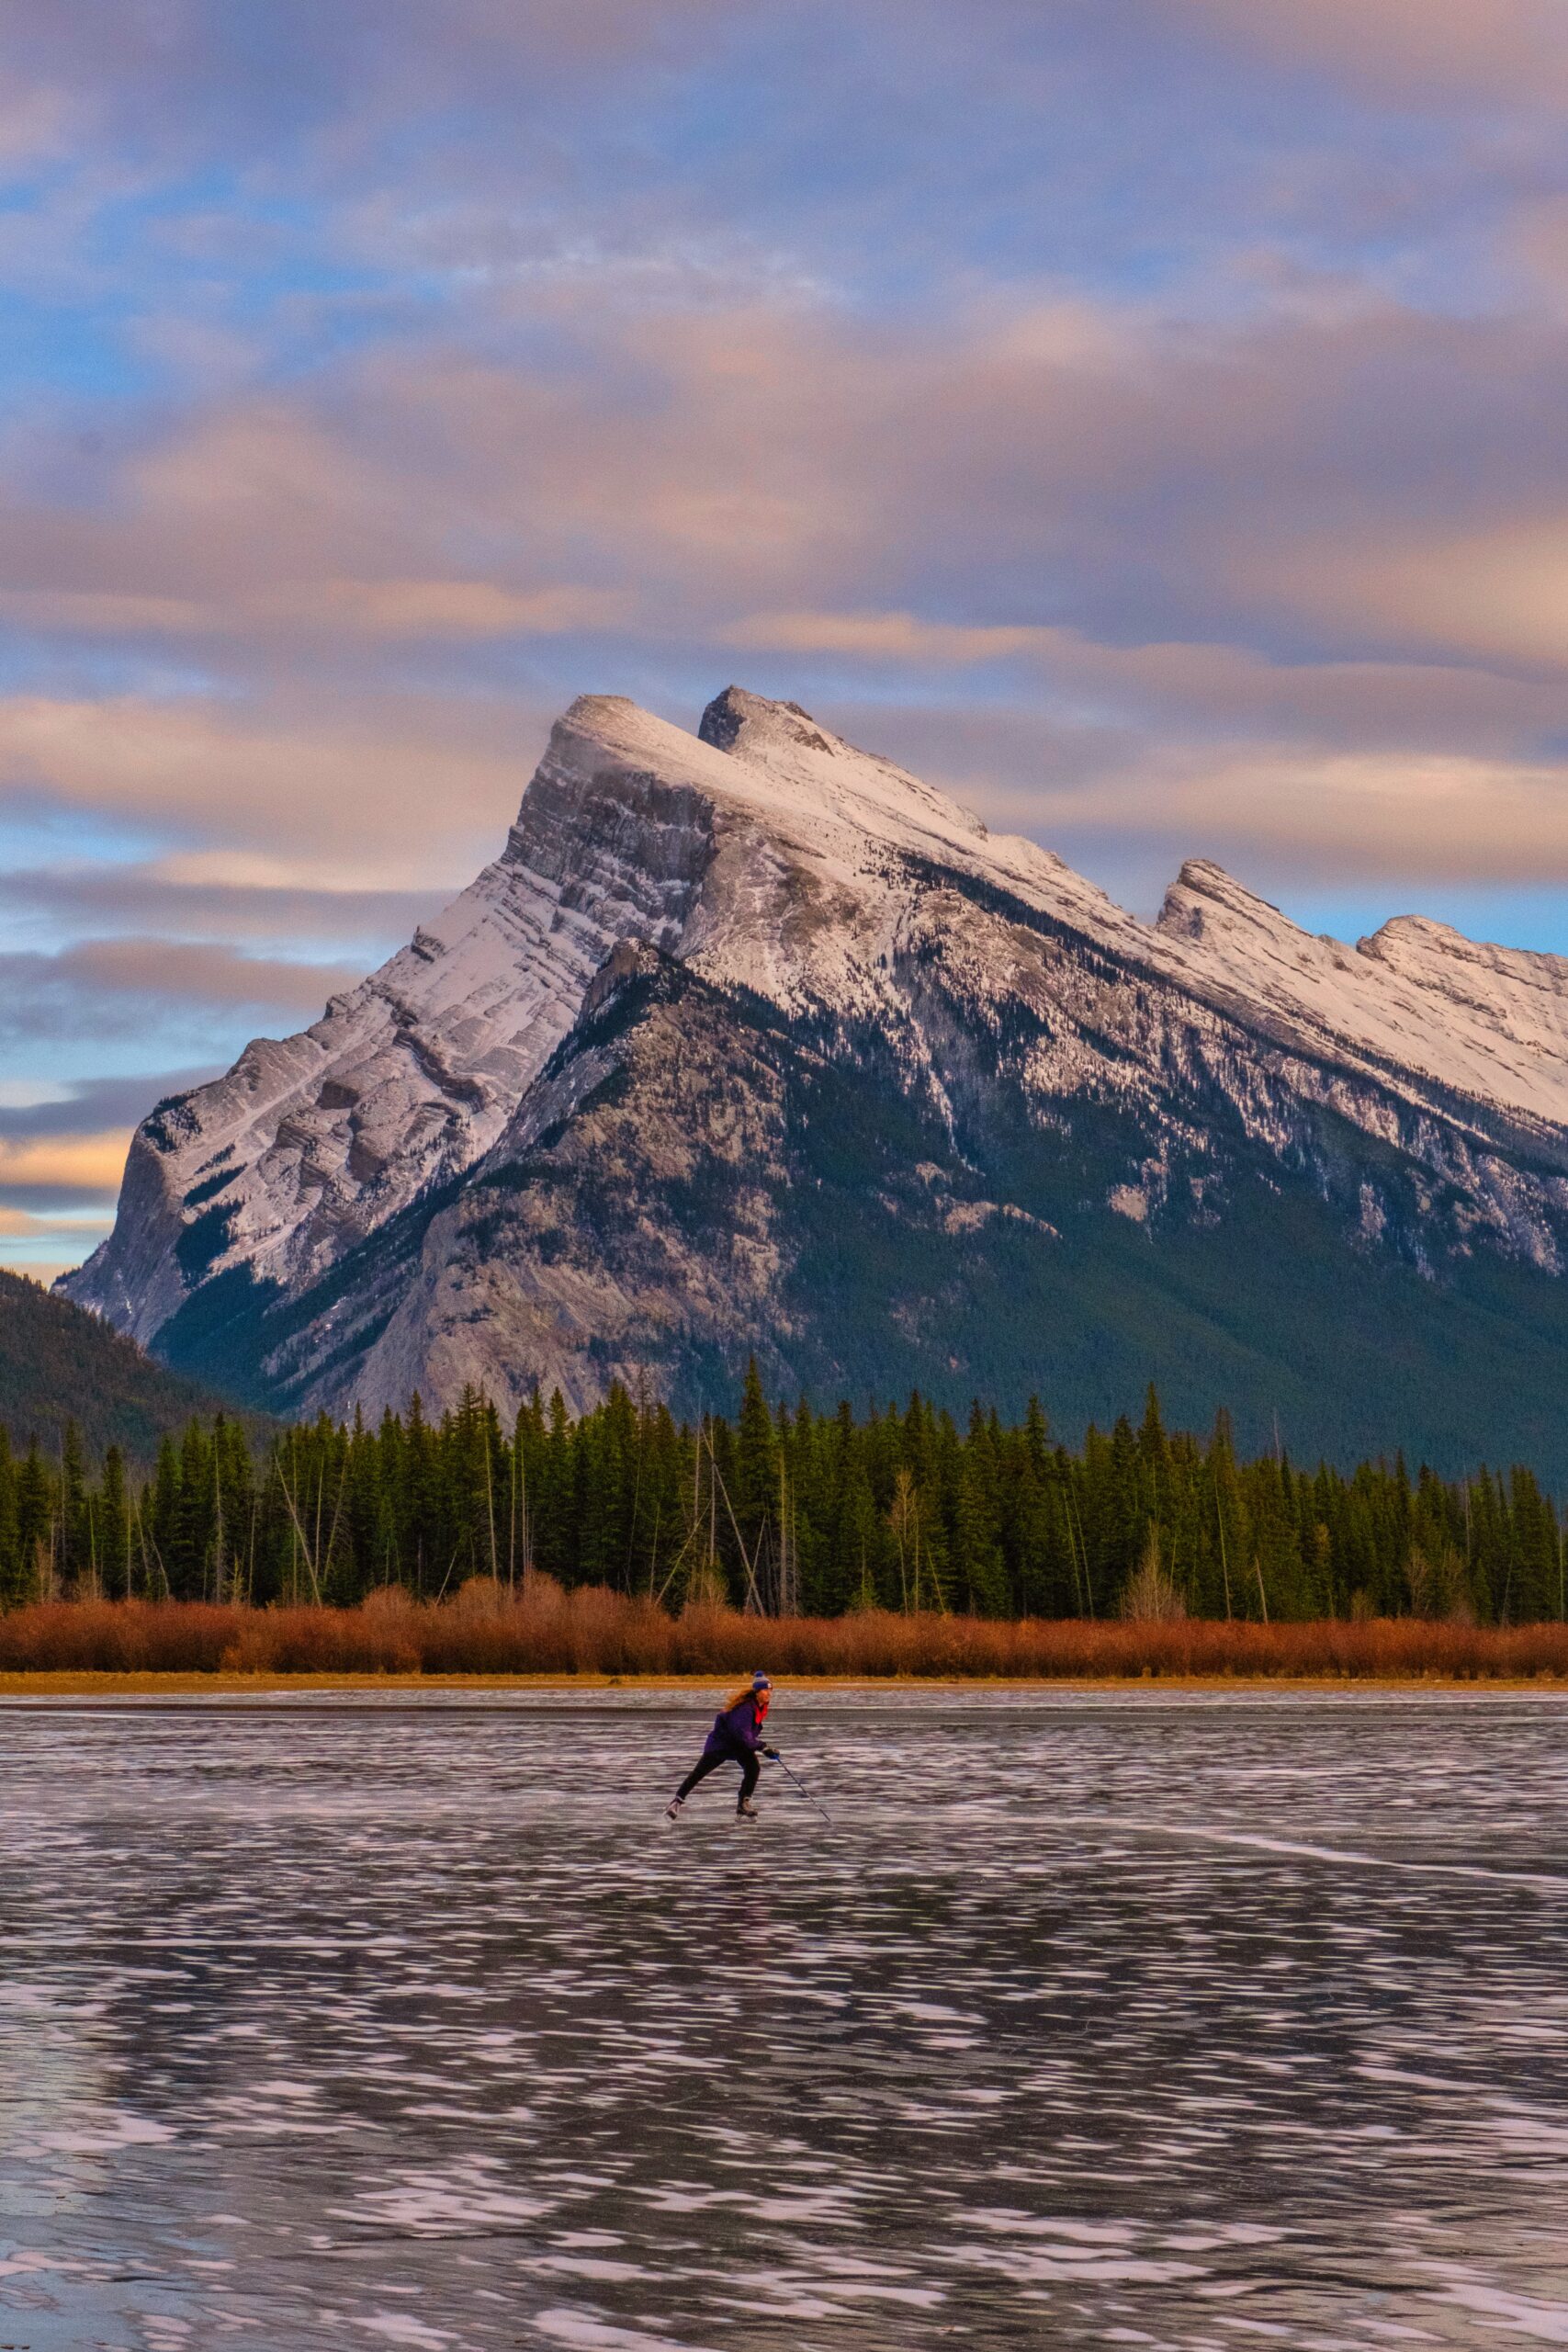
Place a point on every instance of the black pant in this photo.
(750, 1769)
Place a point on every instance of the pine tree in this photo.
(34, 1530)
(1534, 1587)
(755, 1490)
(976, 1544)
(114, 1521)
(73, 1551)
(10, 1560)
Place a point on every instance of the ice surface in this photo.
(1093, 2021)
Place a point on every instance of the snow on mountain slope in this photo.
(374, 1188)
(805, 902)
(1487, 1022)
(310, 1143)
(1417, 1002)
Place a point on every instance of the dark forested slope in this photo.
(59, 1364)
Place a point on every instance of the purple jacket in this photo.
(737, 1731)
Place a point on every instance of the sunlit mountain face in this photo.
(750, 1043)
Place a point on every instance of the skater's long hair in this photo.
(746, 1691)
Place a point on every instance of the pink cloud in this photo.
(1474, 51)
(394, 795)
(65, 1163)
(1321, 530)
(207, 972)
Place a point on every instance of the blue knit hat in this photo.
(761, 1683)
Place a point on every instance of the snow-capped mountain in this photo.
(750, 1040)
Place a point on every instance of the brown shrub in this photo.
(539, 1628)
(379, 1639)
(120, 1636)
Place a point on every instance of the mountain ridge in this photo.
(592, 1081)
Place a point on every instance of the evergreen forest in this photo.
(778, 1508)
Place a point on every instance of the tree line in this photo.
(782, 1510)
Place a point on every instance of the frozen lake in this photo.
(1092, 2020)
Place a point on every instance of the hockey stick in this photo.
(804, 1791)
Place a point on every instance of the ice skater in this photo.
(736, 1737)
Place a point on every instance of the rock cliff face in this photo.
(751, 1042)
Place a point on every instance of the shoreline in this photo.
(64, 1683)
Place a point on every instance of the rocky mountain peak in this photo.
(1205, 894)
(745, 1022)
(1417, 945)
(1515, 995)
(794, 751)
(751, 726)
(1486, 1021)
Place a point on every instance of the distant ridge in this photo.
(59, 1364)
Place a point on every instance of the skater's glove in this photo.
(771, 1754)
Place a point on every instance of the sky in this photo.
(1145, 419)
